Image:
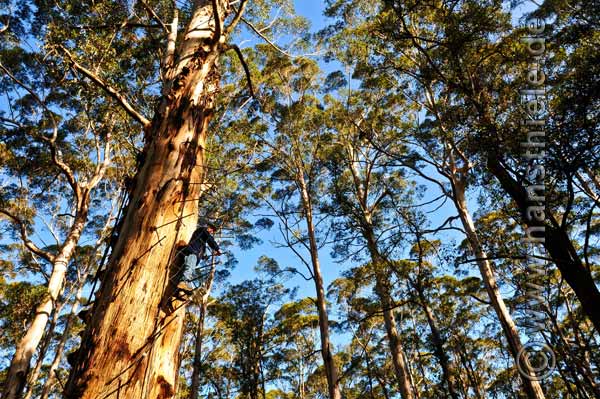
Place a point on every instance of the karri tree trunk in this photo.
(19, 366)
(383, 291)
(44, 346)
(60, 348)
(532, 387)
(328, 360)
(382, 285)
(130, 348)
(16, 377)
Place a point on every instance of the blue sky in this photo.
(313, 11)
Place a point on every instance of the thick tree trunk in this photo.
(19, 367)
(532, 387)
(328, 360)
(130, 349)
(557, 243)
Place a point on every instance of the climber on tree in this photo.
(196, 250)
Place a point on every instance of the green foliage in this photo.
(16, 302)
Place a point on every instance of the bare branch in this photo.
(266, 39)
(154, 15)
(5, 27)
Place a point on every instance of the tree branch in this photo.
(54, 151)
(244, 65)
(26, 241)
(236, 19)
(266, 39)
(218, 27)
(169, 59)
(154, 16)
(112, 92)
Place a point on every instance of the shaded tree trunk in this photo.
(382, 286)
(557, 243)
(383, 291)
(130, 346)
(472, 376)
(448, 370)
(197, 362)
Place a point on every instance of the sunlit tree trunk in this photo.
(19, 366)
(60, 348)
(130, 348)
(532, 387)
(35, 374)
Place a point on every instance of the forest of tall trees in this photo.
(403, 197)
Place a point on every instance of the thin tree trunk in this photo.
(448, 370)
(197, 362)
(382, 288)
(19, 367)
(130, 345)
(328, 360)
(581, 364)
(532, 387)
(372, 370)
(395, 345)
(472, 376)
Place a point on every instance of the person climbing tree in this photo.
(195, 251)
